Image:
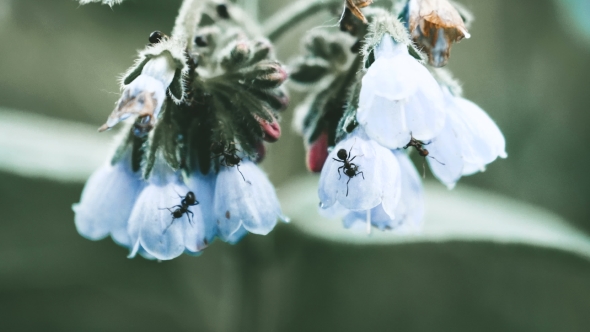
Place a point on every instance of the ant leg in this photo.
(361, 173)
(238, 167)
(166, 229)
(190, 221)
(347, 186)
(340, 175)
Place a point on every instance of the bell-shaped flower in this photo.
(469, 141)
(399, 98)
(145, 95)
(435, 25)
(161, 224)
(107, 201)
(244, 200)
(409, 212)
(204, 187)
(360, 175)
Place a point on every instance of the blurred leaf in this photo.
(463, 214)
(40, 146)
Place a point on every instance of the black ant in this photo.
(349, 169)
(228, 153)
(178, 211)
(419, 146)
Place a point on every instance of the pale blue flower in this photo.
(399, 98)
(244, 203)
(409, 212)
(469, 141)
(107, 201)
(379, 184)
(152, 226)
(204, 188)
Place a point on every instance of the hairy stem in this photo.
(188, 17)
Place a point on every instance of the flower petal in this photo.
(399, 98)
(445, 159)
(107, 201)
(409, 212)
(248, 201)
(378, 182)
(204, 188)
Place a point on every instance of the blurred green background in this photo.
(527, 65)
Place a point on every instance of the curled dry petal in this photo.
(144, 98)
(435, 25)
(355, 7)
(272, 130)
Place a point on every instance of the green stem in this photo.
(188, 17)
(291, 15)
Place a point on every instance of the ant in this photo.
(349, 169)
(228, 154)
(419, 146)
(178, 211)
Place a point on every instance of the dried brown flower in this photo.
(434, 25)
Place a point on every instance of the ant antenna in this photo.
(438, 161)
(170, 224)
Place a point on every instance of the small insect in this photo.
(228, 153)
(178, 211)
(222, 11)
(419, 146)
(349, 168)
(156, 37)
(355, 7)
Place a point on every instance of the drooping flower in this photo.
(145, 95)
(409, 212)
(435, 25)
(107, 202)
(374, 180)
(155, 228)
(469, 141)
(399, 98)
(244, 199)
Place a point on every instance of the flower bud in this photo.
(317, 153)
(272, 130)
(266, 75)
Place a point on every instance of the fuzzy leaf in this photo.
(309, 72)
(464, 214)
(39, 146)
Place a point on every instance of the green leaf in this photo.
(39, 146)
(463, 214)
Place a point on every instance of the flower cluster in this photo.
(393, 103)
(201, 103)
